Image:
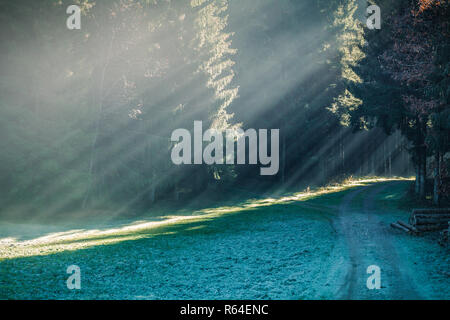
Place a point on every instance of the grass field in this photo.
(288, 247)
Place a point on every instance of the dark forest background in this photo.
(86, 115)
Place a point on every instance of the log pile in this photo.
(430, 219)
(425, 220)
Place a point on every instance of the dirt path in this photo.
(369, 242)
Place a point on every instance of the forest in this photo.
(88, 115)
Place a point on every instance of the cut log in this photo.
(418, 220)
(432, 211)
(397, 226)
(408, 226)
(430, 227)
(431, 216)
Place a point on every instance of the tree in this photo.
(400, 90)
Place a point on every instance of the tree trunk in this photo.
(97, 125)
(176, 192)
(283, 165)
(437, 179)
(423, 173)
(390, 163)
(343, 158)
(150, 169)
(372, 163)
(153, 189)
(417, 183)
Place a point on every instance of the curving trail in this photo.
(369, 242)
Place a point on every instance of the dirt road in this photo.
(370, 242)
